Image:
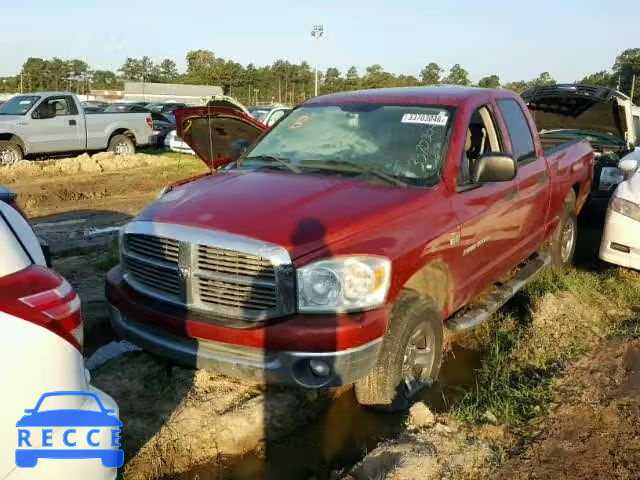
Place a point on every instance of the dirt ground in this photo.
(185, 424)
(100, 183)
(594, 432)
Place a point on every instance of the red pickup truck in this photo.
(337, 246)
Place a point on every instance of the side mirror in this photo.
(628, 167)
(494, 167)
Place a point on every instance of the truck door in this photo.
(489, 226)
(532, 201)
(56, 126)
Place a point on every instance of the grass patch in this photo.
(547, 325)
(110, 260)
(504, 390)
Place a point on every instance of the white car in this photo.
(174, 143)
(41, 352)
(269, 115)
(621, 237)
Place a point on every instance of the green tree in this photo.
(106, 80)
(141, 69)
(168, 70)
(352, 78)
(457, 76)
(543, 80)
(333, 81)
(518, 86)
(602, 78)
(431, 74)
(490, 81)
(627, 65)
(200, 66)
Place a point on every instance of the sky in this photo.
(515, 39)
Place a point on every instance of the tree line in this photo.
(282, 81)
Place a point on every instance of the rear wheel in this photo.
(562, 245)
(410, 356)
(121, 145)
(10, 153)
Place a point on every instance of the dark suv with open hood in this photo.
(601, 115)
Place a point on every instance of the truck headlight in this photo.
(625, 207)
(343, 284)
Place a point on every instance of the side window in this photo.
(519, 131)
(71, 106)
(482, 137)
(56, 107)
(636, 126)
(277, 115)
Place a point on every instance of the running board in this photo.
(474, 317)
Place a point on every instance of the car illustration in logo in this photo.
(67, 422)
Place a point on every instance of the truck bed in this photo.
(567, 161)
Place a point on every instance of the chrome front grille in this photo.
(228, 262)
(154, 276)
(157, 248)
(209, 271)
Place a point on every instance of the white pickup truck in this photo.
(51, 122)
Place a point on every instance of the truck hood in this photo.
(579, 107)
(302, 213)
(217, 134)
(10, 118)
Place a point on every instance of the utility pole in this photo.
(633, 86)
(317, 33)
(21, 83)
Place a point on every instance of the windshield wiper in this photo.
(285, 162)
(364, 168)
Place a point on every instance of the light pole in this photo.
(318, 33)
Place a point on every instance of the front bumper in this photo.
(249, 363)
(621, 241)
(280, 351)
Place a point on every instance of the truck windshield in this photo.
(405, 144)
(19, 105)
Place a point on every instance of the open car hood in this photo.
(217, 134)
(223, 101)
(580, 107)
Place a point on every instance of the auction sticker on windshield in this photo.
(440, 119)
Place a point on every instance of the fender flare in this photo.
(15, 139)
(433, 280)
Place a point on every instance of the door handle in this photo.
(544, 178)
(72, 122)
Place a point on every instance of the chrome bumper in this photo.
(249, 363)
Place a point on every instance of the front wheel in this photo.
(10, 153)
(410, 356)
(121, 145)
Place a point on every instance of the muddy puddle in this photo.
(342, 434)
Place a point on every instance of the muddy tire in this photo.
(121, 145)
(10, 153)
(409, 358)
(562, 245)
